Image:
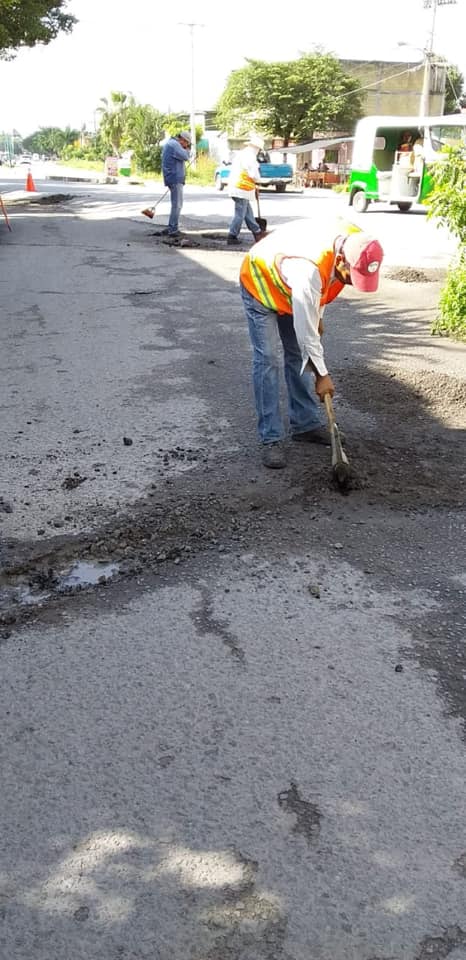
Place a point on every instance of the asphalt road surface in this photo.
(233, 700)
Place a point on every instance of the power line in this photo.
(367, 86)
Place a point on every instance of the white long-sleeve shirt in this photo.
(245, 161)
(306, 290)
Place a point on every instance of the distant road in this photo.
(408, 239)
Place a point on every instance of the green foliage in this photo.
(50, 140)
(451, 320)
(124, 125)
(447, 203)
(114, 116)
(24, 23)
(453, 89)
(144, 129)
(174, 124)
(290, 99)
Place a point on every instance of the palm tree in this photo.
(113, 116)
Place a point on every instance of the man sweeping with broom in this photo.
(286, 280)
(175, 155)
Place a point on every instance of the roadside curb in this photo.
(65, 179)
(24, 196)
(117, 181)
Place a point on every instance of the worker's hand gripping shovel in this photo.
(340, 464)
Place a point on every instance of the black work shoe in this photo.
(273, 456)
(232, 241)
(319, 435)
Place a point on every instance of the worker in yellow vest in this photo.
(286, 281)
(242, 183)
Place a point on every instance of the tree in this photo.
(144, 129)
(50, 140)
(290, 99)
(453, 89)
(175, 122)
(114, 117)
(24, 23)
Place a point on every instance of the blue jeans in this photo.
(243, 211)
(266, 329)
(176, 196)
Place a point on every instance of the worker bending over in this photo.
(286, 281)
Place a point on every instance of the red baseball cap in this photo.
(364, 255)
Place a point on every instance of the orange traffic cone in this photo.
(30, 185)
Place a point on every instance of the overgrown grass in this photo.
(451, 319)
(83, 164)
(203, 175)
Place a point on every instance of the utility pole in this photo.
(428, 54)
(191, 27)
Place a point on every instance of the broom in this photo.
(151, 211)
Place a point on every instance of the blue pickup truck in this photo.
(272, 175)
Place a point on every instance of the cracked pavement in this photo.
(244, 740)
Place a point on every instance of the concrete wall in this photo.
(398, 86)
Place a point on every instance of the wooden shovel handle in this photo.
(329, 409)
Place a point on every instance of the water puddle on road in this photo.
(25, 597)
(40, 587)
(86, 574)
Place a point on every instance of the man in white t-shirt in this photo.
(242, 185)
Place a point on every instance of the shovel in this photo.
(260, 220)
(340, 464)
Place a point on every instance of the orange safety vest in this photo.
(263, 279)
(245, 182)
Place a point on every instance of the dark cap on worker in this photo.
(185, 135)
(364, 255)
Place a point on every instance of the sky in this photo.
(142, 48)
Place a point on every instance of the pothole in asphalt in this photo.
(22, 591)
(412, 275)
(208, 241)
(23, 596)
(47, 201)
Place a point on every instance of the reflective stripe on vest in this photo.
(245, 182)
(264, 280)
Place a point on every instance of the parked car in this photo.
(272, 175)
